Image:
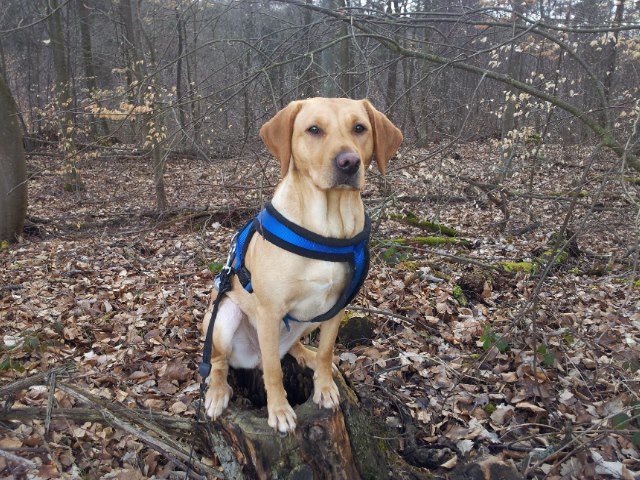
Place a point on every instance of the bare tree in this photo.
(99, 127)
(64, 100)
(13, 180)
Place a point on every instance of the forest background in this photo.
(504, 293)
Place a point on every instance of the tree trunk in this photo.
(611, 51)
(326, 444)
(508, 117)
(327, 86)
(192, 78)
(344, 56)
(99, 126)
(309, 71)
(153, 124)
(73, 182)
(13, 179)
(3, 63)
(181, 101)
(245, 68)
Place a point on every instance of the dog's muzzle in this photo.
(347, 168)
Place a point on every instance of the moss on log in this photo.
(430, 241)
(411, 219)
(512, 267)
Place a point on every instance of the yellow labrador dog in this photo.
(324, 146)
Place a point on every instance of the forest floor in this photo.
(478, 348)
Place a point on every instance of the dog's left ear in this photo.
(276, 134)
(386, 136)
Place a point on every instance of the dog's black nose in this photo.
(348, 162)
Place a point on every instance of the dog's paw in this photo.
(217, 399)
(307, 358)
(282, 418)
(325, 393)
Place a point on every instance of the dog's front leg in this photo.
(219, 392)
(325, 391)
(281, 415)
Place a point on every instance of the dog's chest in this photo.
(319, 285)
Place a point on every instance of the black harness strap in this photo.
(223, 287)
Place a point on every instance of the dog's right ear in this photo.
(277, 132)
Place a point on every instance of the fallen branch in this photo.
(15, 458)
(123, 418)
(180, 426)
(387, 313)
(37, 379)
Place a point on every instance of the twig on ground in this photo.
(15, 458)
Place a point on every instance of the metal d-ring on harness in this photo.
(276, 229)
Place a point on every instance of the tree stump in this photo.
(325, 445)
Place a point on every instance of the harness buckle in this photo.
(232, 254)
(223, 278)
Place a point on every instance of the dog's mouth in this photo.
(349, 182)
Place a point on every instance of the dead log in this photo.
(326, 444)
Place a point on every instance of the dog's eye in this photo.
(314, 130)
(359, 128)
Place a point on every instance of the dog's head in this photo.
(331, 140)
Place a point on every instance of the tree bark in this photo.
(13, 170)
(309, 69)
(508, 117)
(181, 101)
(344, 56)
(99, 126)
(73, 181)
(192, 78)
(340, 444)
(611, 52)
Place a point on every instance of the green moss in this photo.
(382, 446)
(215, 267)
(431, 241)
(636, 283)
(489, 408)
(410, 219)
(533, 139)
(512, 267)
(570, 194)
(409, 266)
(561, 257)
(458, 294)
(634, 180)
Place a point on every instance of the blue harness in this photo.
(275, 228)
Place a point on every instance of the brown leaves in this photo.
(120, 295)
